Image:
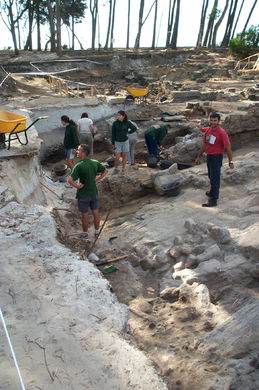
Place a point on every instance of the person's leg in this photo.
(215, 168)
(94, 205)
(85, 222)
(124, 159)
(83, 206)
(132, 144)
(214, 163)
(90, 142)
(117, 159)
(151, 145)
(69, 160)
(96, 216)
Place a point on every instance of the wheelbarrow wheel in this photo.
(129, 99)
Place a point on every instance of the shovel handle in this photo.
(112, 260)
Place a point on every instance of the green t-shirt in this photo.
(70, 138)
(158, 134)
(86, 171)
(121, 129)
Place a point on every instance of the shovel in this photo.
(111, 260)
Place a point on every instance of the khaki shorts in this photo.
(122, 147)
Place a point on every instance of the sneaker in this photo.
(84, 236)
(97, 232)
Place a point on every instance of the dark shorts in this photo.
(91, 202)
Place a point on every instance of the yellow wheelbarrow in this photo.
(139, 93)
(14, 125)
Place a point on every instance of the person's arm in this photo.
(101, 175)
(113, 133)
(202, 150)
(230, 156)
(74, 184)
(78, 131)
(91, 128)
(133, 127)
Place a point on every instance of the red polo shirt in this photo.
(216, 140)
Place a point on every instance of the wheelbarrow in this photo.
(14, 125)
(139, 93)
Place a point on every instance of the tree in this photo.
(170, 20)
(237, 19)
(72, 12)
(128, 26)
(154, 27)
(112, 26)
(245, 43)
(173, 43)
(141, 21)
(214, 35)
(230, 21)
(109, 25)
(94, 13)
(202, 22)
(249, 16)
(212, 17)
(14, 12)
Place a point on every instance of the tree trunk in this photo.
(237, 19)
(28, 44)
(58, 16)
(154, 27)
(231, 16)
(73, 32)
(52, 27)
(176, 25)
(202, 22)
(94, 13)
(140, 24)
(128, 27)
(210, 23)
(214, 35)
(249, 16)
(112, 26)
(38, 26)
(109, 25)
(170, 22)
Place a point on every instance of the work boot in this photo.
(211, 203)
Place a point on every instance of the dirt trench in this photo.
(166, 320)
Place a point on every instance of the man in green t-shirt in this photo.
(83, 177)
(154, 136)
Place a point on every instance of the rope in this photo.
(12, 351)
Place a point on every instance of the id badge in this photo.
(212, 139)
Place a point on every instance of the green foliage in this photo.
(246, 43)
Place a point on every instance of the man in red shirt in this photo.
(215, 142)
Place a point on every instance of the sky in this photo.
(190, 12)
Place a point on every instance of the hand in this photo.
(80, 185)
(198, 161)
(231, 165)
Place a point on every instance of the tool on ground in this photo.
(112, 260)
(109, 268)
(53, 192)
(104, 222)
